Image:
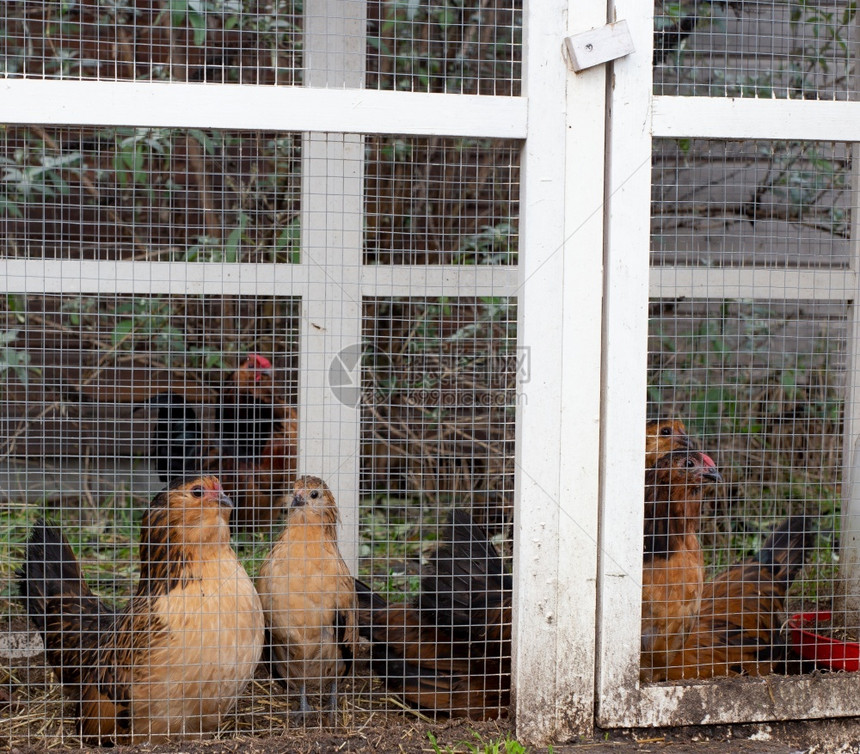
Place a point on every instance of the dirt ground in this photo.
(371, 725)
(455, 737)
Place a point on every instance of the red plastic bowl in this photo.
(824, 651)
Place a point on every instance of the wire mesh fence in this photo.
(762, 383)
(441, 201)
(751, 203)
(150, 194)
(468, 48)
(279, 597)
(110, 397)
(767, 48)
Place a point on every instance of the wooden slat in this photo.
(332, 219)
(772, 284)
(751, 118)
(732, 700)
(555, 553)
(179, 278)
(181, 105)
(625, 336)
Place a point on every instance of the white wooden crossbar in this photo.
(71, 276)
(751, 118)
(773, 284)
(285, 108)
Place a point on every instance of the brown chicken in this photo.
(450, 651)
(663, 436)
(738, 630)
(673, 567)
(308, 597)
(253, 451)
(175, 660)
(258, 431)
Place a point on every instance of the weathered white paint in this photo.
(439, 280)
(752, 118)
(730, 700)
(209, 105)
(625, 332)
(846, 604)
(581, 344)
(557, 429)
(71, 276)
(331, 253)
(774, 283)
(621, 700)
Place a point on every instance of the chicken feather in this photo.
(738, 628)
(175, 660)
(673, 568)
(450, 651)
(253, 451)
(308, 597)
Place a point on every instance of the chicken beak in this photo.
(225, 502)
(710, 471)
(298, 500)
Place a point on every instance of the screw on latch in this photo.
(596, 46)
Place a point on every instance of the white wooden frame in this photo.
(332, 212)
(636, 117)
(555, 554)
(558, 287)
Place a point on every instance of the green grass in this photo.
(395, 534)
(104, 540)
(506, 744)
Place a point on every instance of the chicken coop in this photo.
(371, 363)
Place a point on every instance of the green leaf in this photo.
(9, 207)
(198, 23)
(122, 330)
(178, 11)
(234, 240)
(203, 139)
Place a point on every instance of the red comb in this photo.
(260, 362)
(709, 462)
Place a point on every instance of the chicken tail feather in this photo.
(785, 551)
(58, 601)
(368, 601)
(341, 625)
(468, 583)
(177, 439)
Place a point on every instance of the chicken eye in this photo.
(197, 491)
(666, 431)
(315, 494)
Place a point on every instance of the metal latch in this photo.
(591, 48)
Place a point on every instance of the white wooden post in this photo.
(331, 253)
(846, 603)
(625, 363)
(558, 422)
(847, 599)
